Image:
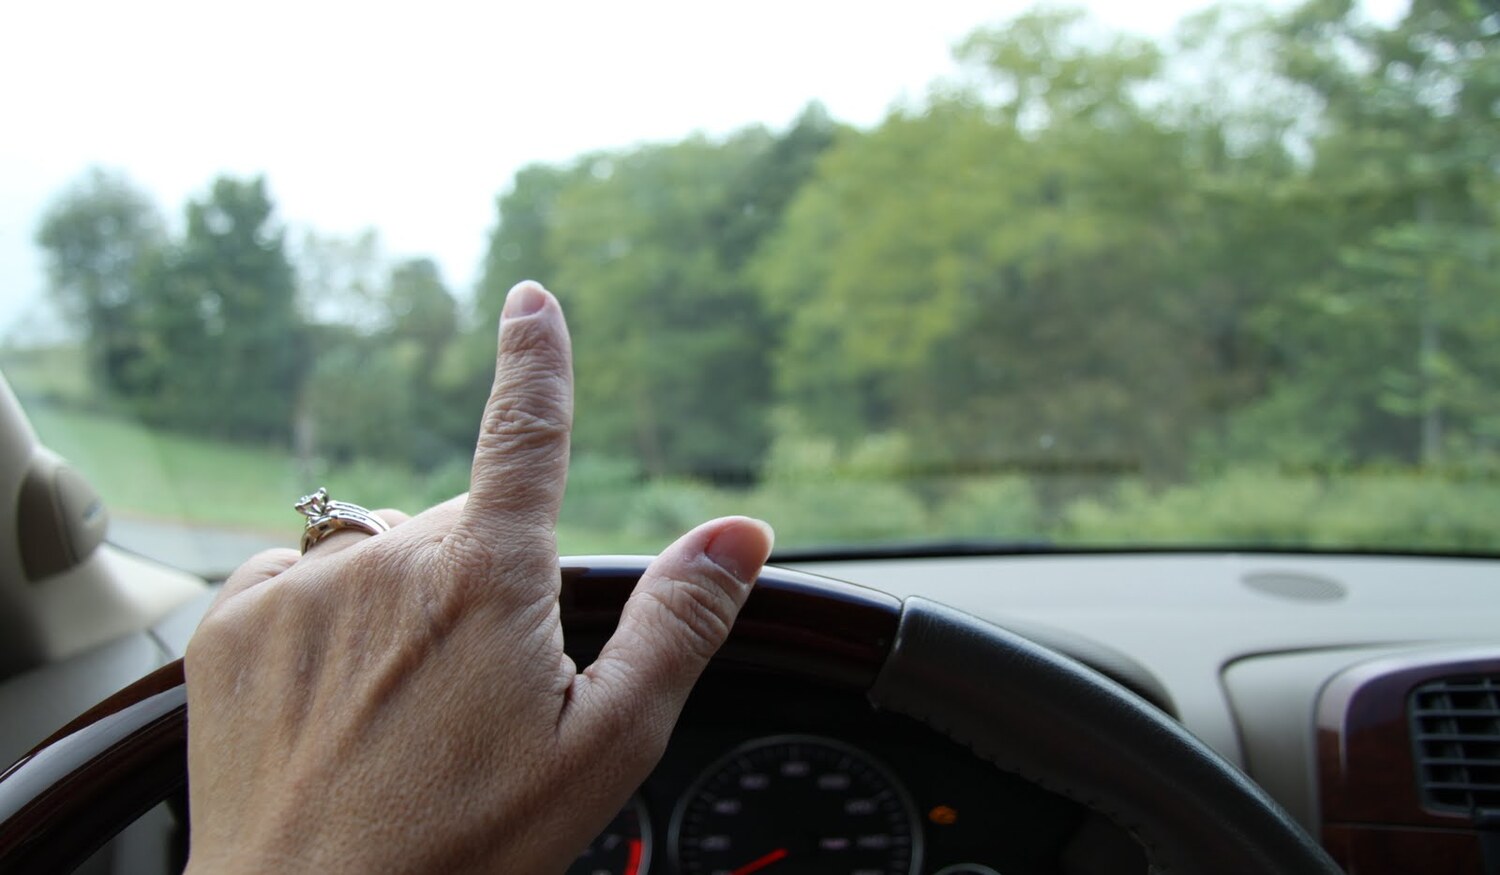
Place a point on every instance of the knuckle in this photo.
(271, 558)
(227, 629)
(520, 428)
(495, 549)
(464, 550)
(262, 566)
(498, 563)
(470, 563)
(701, 611)
(543, 368)
(530, 405)
(373, 563)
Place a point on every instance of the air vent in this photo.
(1455, 727)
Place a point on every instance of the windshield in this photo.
(1161, 277)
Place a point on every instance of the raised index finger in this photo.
(521, 460)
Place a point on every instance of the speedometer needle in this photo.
(763, 862)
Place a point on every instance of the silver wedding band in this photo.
(326, 516)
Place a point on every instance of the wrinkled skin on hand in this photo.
(402, 703)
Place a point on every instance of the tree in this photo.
(670, 341)
(420, 309)
(423, 318)
(358, 403)
(1049, 66)
(1398, 331)
(648, 247)
(996, 277)
(340, 279)
(225, 352)
(519, 246)
(759, 194)
(98, 236)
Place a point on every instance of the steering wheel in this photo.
(1024, 708)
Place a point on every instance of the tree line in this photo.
(1269, 242)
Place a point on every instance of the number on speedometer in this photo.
(794, 804)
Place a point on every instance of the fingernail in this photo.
(523, 299)
(741, 548)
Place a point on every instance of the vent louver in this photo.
(1455, 728)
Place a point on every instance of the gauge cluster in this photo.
(767, 775)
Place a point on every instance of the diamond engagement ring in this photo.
(326, 516)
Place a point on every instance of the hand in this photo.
(402, 703)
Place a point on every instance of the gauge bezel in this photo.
(648, 841)
(643, 818)
(903, 795)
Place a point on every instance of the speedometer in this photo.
(624, 848)
(794, 804)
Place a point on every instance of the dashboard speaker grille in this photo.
(1455, 729)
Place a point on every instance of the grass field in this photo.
(148, 474)
(142, 472)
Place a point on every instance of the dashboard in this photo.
(1312, 673)
(771, 774)
(1303, 670)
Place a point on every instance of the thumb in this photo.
(676, 619)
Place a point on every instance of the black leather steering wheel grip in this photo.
(1056, 723)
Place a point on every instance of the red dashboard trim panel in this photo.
(1373, 818)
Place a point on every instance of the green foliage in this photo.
(1044, 70)
(601, 491)
(50, 375)
(360, 403)
(1399, 329)
(942, 271)
(609, 509)
(98, 236)
(830, 513)
(519, 243)
(669, 343)
(647, 248)
(218, 323)
(1243, 287)
(146, 472)
(169, 474)
(767, 183)
(339, 279)
(1343, 508)
(421, 309)
(999, 509)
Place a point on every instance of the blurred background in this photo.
(1162, 276)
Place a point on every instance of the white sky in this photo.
(411, 118)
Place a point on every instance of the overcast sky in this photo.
(410, 118)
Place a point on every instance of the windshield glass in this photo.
(1132, 277)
